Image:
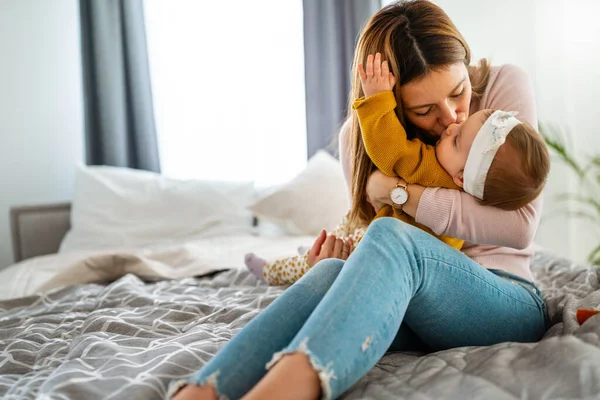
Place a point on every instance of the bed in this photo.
(113, 324)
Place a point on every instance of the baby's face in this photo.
(455, 143)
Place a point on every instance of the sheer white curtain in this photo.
(228, 87)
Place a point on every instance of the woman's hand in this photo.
(378, 192)
(378, 189)
(329, 246)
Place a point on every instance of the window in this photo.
(228, 88)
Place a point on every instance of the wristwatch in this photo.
(399, 195)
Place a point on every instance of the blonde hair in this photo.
(415, 37)
(519, 170)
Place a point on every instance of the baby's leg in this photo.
(356, 236)
(285, 271)
(339, 231)
(342, 229)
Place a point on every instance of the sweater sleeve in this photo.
(458, 214)
(511, 89)
(390, 150)
(462, 216)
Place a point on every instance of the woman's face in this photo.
(439, 99)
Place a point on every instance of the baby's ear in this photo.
(458, 179)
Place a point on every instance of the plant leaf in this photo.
(588, 173)
(560, 149)
(594, 256)
(583, 215)
(581, 199)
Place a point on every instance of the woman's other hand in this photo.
(378, 189)
(378, 192)
(329, 246)
(377, 78)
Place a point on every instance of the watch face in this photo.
(399, 195)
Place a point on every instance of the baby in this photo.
(492, 156)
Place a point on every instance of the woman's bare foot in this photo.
(194, 392)
(293, 377)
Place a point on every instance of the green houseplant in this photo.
(586, 202)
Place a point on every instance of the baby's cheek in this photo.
(444, 156)
(439, 152)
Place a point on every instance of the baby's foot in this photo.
(255, 264)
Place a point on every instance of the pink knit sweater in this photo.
(494, 238)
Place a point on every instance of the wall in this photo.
(41, 109)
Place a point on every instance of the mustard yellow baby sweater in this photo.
(393, 154)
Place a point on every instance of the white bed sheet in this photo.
(154, 262)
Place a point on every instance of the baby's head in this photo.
(496, 158)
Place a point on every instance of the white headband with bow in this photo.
(490, 137)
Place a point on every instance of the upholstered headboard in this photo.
(38, 230)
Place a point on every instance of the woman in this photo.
(401, 288)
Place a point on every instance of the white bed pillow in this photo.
(124, 208)
(316, 198)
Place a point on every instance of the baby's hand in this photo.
(378, 77)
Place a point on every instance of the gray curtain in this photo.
(119, 116)
(331, 28)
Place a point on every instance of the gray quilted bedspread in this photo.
(129, 339)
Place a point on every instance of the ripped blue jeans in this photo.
(401, 289)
